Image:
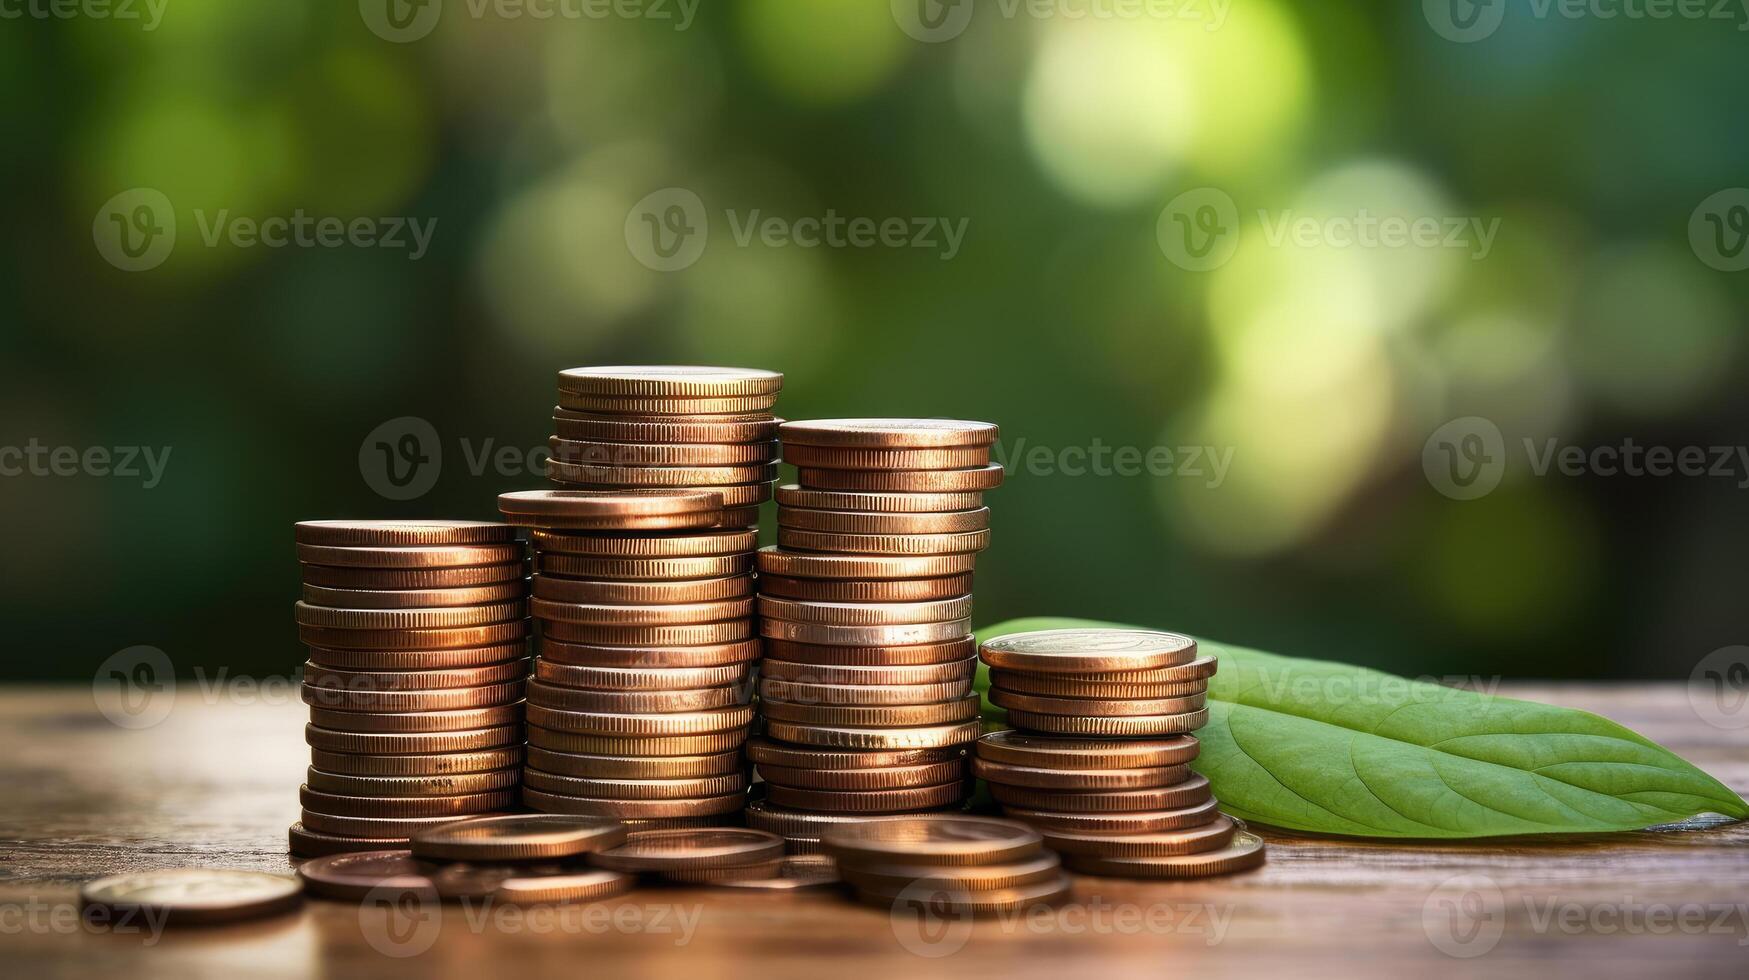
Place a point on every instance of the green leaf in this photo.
(1325, 747)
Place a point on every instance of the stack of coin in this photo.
(705, 856)
(669, 427)
(418, 661)
(866, 688)
(640, 700)
(947, 863)
(1099, 762)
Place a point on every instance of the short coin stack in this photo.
(418, 661)
(671, 427)
(944, 863)
(865, 604)
(1100, 761)
(640, 700)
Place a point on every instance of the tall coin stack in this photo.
(417, 632)
(669, 427)
(1098, 761)
(641, 698)
(865, 603)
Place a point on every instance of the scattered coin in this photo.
(1212, 836)
(518, 837)
(893, 878)
(951, 898)
(1244, 853)
(795, 871)
(933, 840)
(669, 850)
(189, 896)
(354, 876)
(1130, 822)
(578, 885)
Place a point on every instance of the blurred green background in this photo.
(1595, 317)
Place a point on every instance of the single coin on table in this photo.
(1118, 822)
(1079, 779)
(1074, 651)
(1056, 752)
(809, 564)
(979, 478)
(187, 896)
(354, 876)
(576, 885)
(412, 556)
(839, 458)
(665, 850)
(857, 522)
(894, 433)
(883, 544)
(837, 736)
(864, 636)
(938, 897)
(1110, 727)
(518, 837)
(401, 533)
(1096, 707)
(866, 613)
(763, 871)
(871, 590)
(933, 840)
(1243, 853)
(893, 878)
(1192, 791)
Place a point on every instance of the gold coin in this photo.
(795, 871)
(801, 673)
(379, 827)
(478, 595)
(690, 850)
(456, 658)
(791, 495)
(972, 877)
(877, 656)
(864, 694)
(662, 453)
(633, 702)
(764, 751)
(332, 577)
(327, 678)
(979, 478)
(609, 405)
(1079, 779)
(902, 590)
(644, 569)
(608, 507)
(1193, 791)
(641, 725)
(397, 702)
(760, 427)
(670, 381)
(674, 613)
(416, 722)
(683, 788)
(1212, 836)
(401, 533)
(575, 886)
(661, 476)
(1053, 752)
(883, 544)
(356, 876)
(802, 564)
(856, 780)
(303, 842)
(866, 613)
(734, 496)
(451, 784)
(665, 657)
(1123, 822)
(632, 809)
(399, 807)
(342, 638)
(885, 716)
(837, 736)
(412, 744)
(1075, 651)
(189, 896)
(639, 678)
(662, 747)
(865, 636)
(1068, 686)
(634, 767)
(834, 458)
(1096, 707)
(436, 764)
(868, 801)
(412, 556)
(951, 899)
(641, 593)
(933, 841)
(1243, 853)
(853, 522)
(888, 433)
(670, 545)
(693, 634)
(1108, 727)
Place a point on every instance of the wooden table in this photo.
(215, 785)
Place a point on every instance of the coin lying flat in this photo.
(865, 694)
(662, 453)
(884, 716)
(691, 634)
(450, 784)
(638, 678)
(518, 837)
(189, 896)
(1064, 686)
(700, 429)
(454, 658)
(447, 699)
(912, 654)
(404, 807)
(319, 676)
(670, 381)
(835, 736)
(634, 702)
(765, 751)
(801, 824)
(620, 614)
(734, 653)
(933, 840)
(902, 800)
(892, 878)
(630, 405)
(341, 638)
(627, 810)
(679, 544)
(1211, 836)
(855, 780)
(1110, 727)
(856, 522)
(577, 885)
(864, 636)
(892, 590)
(595, 766)
(804, 673)
(1073, 651)
(595, 568)
(356, 764)
(1190, 792)
(442, 617)
(641, 725)
(388, 828)
(393, 533)
(979, 478)
(304, 842)
(948, 898)
(866, 613)
(663, 746)
(1245, 852)
(1130, 822)
(877, 433)
(805, 564)
(883, 544)
(664, 850)
(317, 595)
(1096, 707)
(416, 722)
(688, 788)
(390, 579)
(354, 876)
(411, 556)
(763, 871)
(795, 871)
(1079, 779)
(834, 458)
(1056, 752)
(606, 592)
(423, 744)
(871, 502)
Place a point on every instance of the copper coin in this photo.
(633, 702)
(189, 896)
(661, 476)
(456, 658)
(833, 458)
(1074, 651)
(888, 433)
(738, 405)
(398, 702)
(942, 898)
(303, 842)
(634, 767)
(948, 651)
(576, 885)
(787, 670)
(1068, 686)
(413, 639)
(979, 478)
(885, 716)
(643, 569)
(1096, 707)
(416, 722)
(401, 533)
(742, 517)
(804, 824)
(971, 877)
(518, 837)
(1193, 791)
(868, 801)
(663, 747)
(932, 841)
(642, 725)
(447, 784)
(1079, 779)
(791, 495)
(1056, 752)
(865, 694)
(662, 453)
(1199, 669)
(327, 678)
(693, 634)
(724, 876)
(478, 595)
(447, 763)
(765, 751)
(693, 544)
(679, 850)
(866, 613)
(356, 876)
(378, 827)
(857, 523)
(334, 577)
(608, 507)
(675, 613)
(413, 744)
(412, 556)
(795, 871)
(901, 590)
(1123, 822)
(635, 789)
(739, 652)
(1212, 836)
(702, 520)
(641, 593)
(448, 617)
(670, 381)
(1110, 727)
(1243, 853)
(402, 807)
(883, 544)
(840, 737)
(712, 428)
(480, 882)
(856, 780)
(632, 809)
(865, 636)
(804, 564)
(639, 678)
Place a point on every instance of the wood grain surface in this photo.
(215, 785)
